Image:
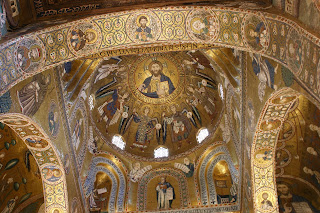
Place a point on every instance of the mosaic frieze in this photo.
(260, 32)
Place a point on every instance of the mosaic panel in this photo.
(89, 182)
(143, 183)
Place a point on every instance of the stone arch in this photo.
(118, 187)
(200, 170)
(54, 45)
(143, 184)
(211, 185)
(55, 192)
(265, 140)
(113, 195)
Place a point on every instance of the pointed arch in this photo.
(119, 186)
(209, 161)
(55, 191)
(265, 140)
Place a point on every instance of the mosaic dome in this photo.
(155, 100)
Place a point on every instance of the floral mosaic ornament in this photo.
(263, 149)
(256, 32)
(50, 165)
(86, 37)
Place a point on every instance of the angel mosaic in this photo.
(204, 97)
(107, 69)
(265, 71)
(180, 125)
(146, 127)
(76, 133)
(112, 109)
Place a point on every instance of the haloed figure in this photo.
(165, 194)
(143, 33)
(158, 85)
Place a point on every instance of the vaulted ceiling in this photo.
(179, 105)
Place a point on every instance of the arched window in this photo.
(221, 92)
(203, 133)
(161, 152)
(118, 141)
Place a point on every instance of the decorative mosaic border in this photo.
(89, 182)
(269, 125)
(201, 171)
(230, 26)
(55, 191)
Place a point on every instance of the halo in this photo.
(146, 106)
(247, 33)
(148, 20)
(161, 60)
(169, 107)
(96, 35)
(39, 51)
(192, 22)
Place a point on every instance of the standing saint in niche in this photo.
(165, 194)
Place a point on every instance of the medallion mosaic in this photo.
(259, 32)
(269, 125)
